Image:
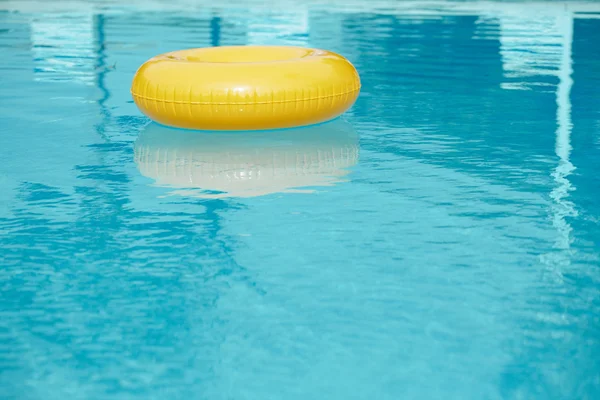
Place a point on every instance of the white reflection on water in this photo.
(563, 208)
(64, 48)
(246, 164)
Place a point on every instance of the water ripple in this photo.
(439, 241)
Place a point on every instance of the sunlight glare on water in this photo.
(439, 241)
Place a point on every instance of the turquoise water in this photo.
(440, 241)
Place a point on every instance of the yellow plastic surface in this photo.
(245, 87)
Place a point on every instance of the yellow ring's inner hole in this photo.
(241, 54)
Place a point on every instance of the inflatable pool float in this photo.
(245, 87)
(246, 164)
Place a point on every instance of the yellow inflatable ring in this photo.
(245, 87)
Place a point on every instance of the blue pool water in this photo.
(440, 241)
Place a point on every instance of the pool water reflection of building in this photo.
(120, 266)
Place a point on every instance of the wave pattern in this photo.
(458, 258)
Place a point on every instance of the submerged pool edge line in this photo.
(200, 88)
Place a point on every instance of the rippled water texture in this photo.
(441, 241)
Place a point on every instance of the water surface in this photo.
(440, 241)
